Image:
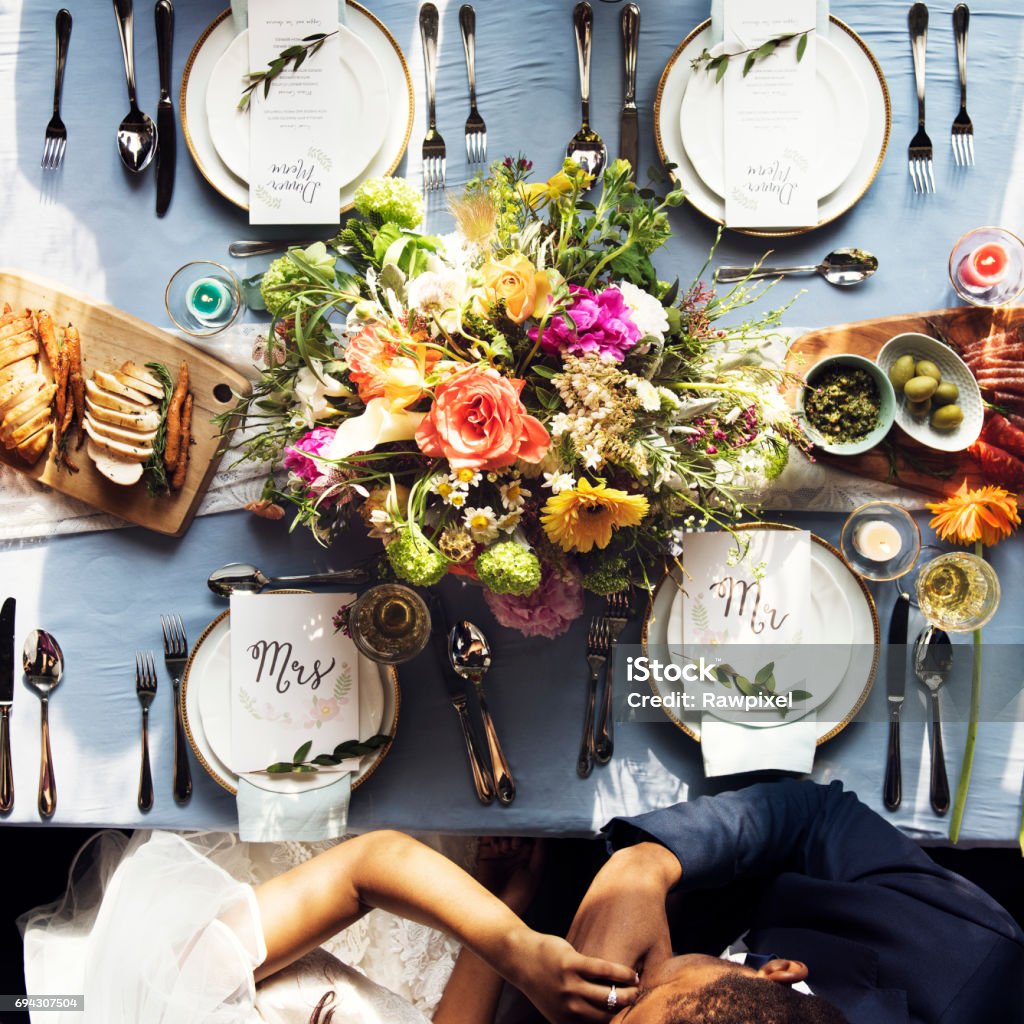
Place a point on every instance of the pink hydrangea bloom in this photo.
(548, 611)
(602, 321)
(301, 459)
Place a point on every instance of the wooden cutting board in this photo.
(902, 460)
(109, 337)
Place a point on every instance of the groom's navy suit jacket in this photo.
(888, 936)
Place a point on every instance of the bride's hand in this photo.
(568, 987)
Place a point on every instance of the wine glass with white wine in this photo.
(958, 591)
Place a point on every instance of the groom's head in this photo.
(697, 989)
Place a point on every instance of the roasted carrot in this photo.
(48, 337)
(173, 445)
(60, 373)
(73, 341)
(181, 468)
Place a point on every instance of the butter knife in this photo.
(896, 684)
(629, 145)
(483, 780)
(6, 700)
(167, 146)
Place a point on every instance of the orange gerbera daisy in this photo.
(986, 514)
(580, 518)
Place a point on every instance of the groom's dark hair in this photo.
(740, 999)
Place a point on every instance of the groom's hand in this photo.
(622, 917)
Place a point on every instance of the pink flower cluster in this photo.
(602, 323)
(301, 459)
(712, 435)
(549, 611)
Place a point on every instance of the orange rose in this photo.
(477, 421)
(525, 289)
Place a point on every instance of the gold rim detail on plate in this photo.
(183, 707)
(872, 673)
(183, 89)
(791, 232)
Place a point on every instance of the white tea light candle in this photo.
(878, 540)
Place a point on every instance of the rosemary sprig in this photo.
(156, 472)
(295, 55)
(720, 64)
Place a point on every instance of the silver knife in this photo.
(167, 146)
(483, 780)
(629, 144)
(896, 683)
(6, 700)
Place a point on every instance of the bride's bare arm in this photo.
(306, 905)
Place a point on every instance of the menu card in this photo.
(293, 679)
(295, 147)
(769, 117)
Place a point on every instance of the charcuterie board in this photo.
(108, 338)
(971, 332)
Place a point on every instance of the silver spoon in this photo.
(470, 655)
(842, 267)
(136, 136)
(242, 578)
(586, 147)
(44, 665)
(933, 658)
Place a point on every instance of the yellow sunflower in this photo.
(580, 518)
(986, 514)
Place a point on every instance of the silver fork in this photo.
(618, 612)
(919, 155)
(145, 690)
(962, 134)
(598, 649)
(56, 140)
(476, 130)
(175, 656)
(434, 152)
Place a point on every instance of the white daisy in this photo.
(481, 523)
(513, 494)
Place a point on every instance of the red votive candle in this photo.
(985, 266)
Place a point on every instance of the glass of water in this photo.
(202, 298)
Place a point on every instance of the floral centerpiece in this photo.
(522, 401)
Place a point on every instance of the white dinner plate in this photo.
(200, 66)
(841, 121)
(829, 624)
(838, 710)
(672, 88)
(206, 712)
(364, 107)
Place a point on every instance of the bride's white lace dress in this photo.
(165, 929)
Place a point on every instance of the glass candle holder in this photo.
(957, 592)
(390, 623)
(987, 267)
(880, 541)
(203, 298)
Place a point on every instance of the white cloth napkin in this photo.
(729, 748)
(240, 14)
(266, 817)
(717, 33)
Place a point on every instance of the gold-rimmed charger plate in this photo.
(841, 708)
(214, 765)
(192, 104)
(667, 137)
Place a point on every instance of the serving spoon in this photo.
(842, 267)
(470, 655)
(136, 135)
(586, 147)
(43, 662)
(242, 578)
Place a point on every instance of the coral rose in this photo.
(525, 289)
(477, 421)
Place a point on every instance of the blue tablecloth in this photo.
(92, 226)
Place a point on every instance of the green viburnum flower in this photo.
(415, 561)
(392, 200)
(290, 272)
(608, 578)
(508, 568)
(775, 458)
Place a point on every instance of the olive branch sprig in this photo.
(302, 763)
(720, 64)
(295, 55)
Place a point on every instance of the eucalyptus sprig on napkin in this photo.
(720, 64)
(295, 55)
(343, 751)
(763, 684)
